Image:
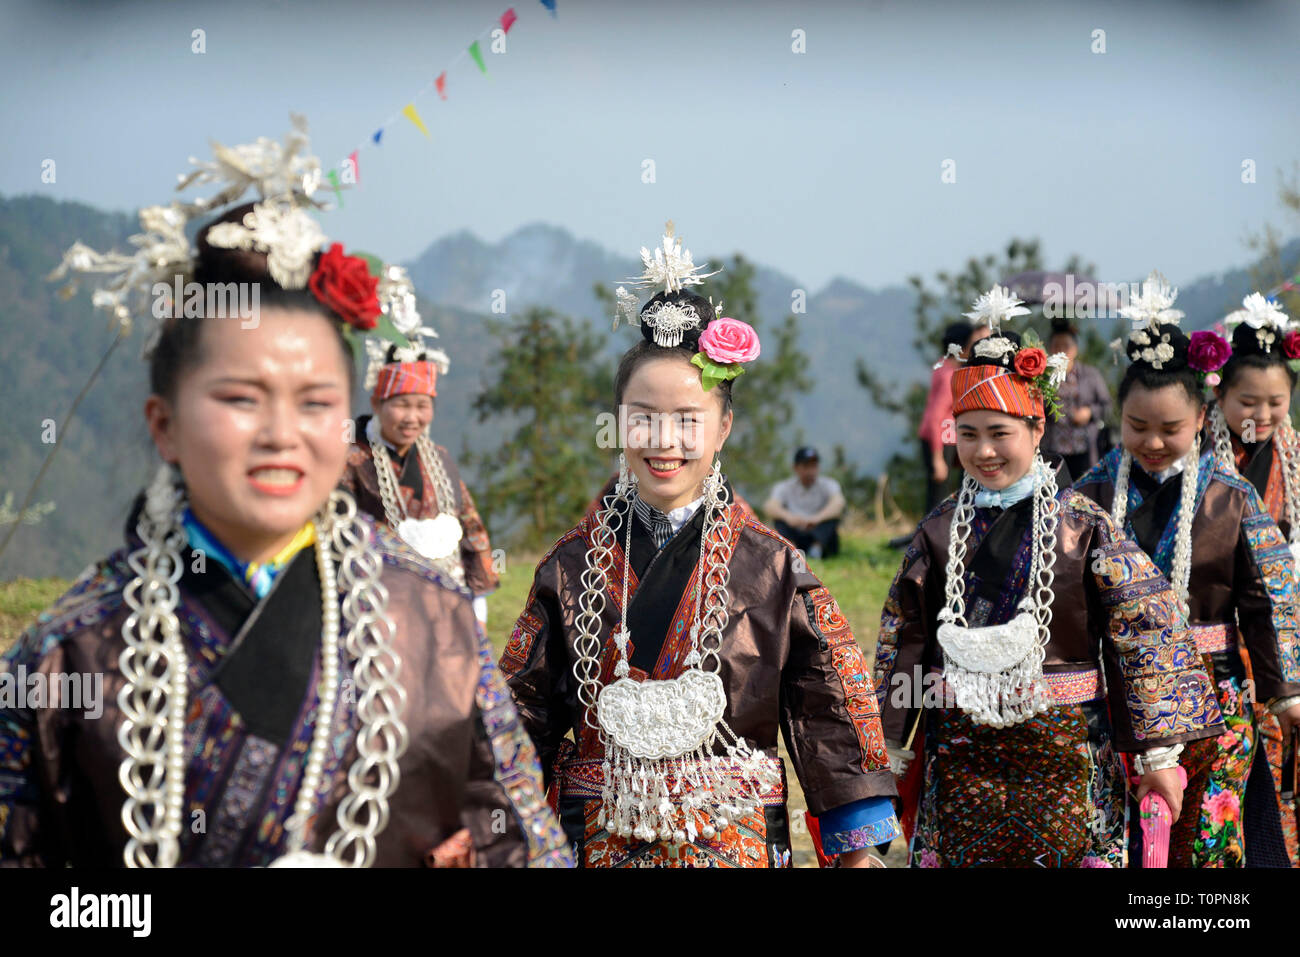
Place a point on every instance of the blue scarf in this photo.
(1005, 498)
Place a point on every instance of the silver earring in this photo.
(626, 480)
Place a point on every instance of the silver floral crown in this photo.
(1264, 316)
(285, 177)
(672, 267)
(1153, 318)
(396, 295)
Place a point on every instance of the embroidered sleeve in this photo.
(1159, 691)
(475, 549)
(860, 824)
(828, 708)
(901, 644)
(1266, 594)
(536, 663)
(24, 839)
(27, 836)
(516, 770)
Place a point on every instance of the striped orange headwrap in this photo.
(995, 389)
(406, 378)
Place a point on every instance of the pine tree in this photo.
(762, 439)
(550, 385)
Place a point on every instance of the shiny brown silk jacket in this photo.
(789, 662)
(1112, 608)
(420, 496)
(1241, 573)
(254, 666)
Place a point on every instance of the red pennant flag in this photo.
(356, 166)
(508, 20)
(441, 84)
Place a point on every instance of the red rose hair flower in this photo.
(1291, 344)
(1031, 363)
(344, 283)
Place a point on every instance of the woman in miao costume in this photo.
(395, 471)
(672, 636)
(1209, 533)
(284, 681)
(1059, 644)
(1251, 426)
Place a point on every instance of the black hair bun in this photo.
(1064, 327)
(390, 355)
(1245, 342)
(1161, 347)
(690, 303)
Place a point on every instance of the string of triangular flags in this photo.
(349, 171)
(1287, 286)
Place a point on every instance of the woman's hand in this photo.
(1289, 719)
(860, 858)
(1168, 783)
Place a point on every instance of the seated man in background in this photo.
(806, 509)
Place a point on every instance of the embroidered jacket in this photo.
(420, 496)
(789, 663)
(254, 667)
(1260, 464)
(1112, 608)
(1242, 571)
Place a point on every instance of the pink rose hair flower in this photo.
(1208, 351)
(728, 340)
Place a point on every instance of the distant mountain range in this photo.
(52, 345)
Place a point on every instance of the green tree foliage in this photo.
(940, 303)
(548, 381)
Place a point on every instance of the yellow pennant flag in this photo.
(410, 113)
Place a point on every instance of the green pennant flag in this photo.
(334, 184)
(477, 54)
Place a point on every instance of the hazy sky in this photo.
(823, 163)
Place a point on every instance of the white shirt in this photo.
(806, 501)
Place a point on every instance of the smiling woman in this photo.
(298, 687)
(1023, 632)
(670, 636)
(1208, 531)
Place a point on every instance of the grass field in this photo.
(859, 577)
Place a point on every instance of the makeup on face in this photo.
(672, 431)
(996, 449)
(257, 428)
(1160, 426)
(1256, 402)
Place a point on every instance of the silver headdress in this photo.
(1154, 306)
(1264, 316)
(672, 267)
(1150, 312)
(992, 307)
(285, 178)
(396, 295)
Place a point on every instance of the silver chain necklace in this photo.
(437, 539)
(996, 671)
(1284, 447)
(661, 779)
(1181, 573)
(154, 696)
